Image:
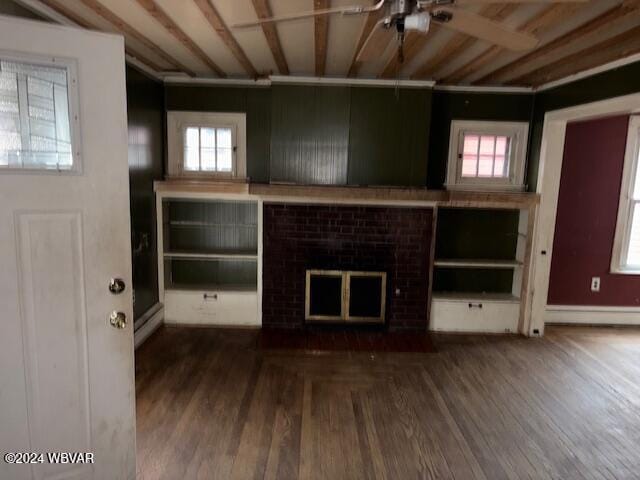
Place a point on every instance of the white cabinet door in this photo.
(474, 316)
(67, 377)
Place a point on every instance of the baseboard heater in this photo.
(336, 296)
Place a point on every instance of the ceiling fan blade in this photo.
(352, 10)
(480, 2)
(376, 42)
(485, 29)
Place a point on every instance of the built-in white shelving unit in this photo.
(479, 294)
(210, 260)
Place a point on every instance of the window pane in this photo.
(499, 169)
(208, 159)
(208, 137)
(633, 254)
(191, 159)
(469, 165)
(224, 138)
(35, 126)
(192, 137)
(487, 144)
(485, 166)
(224, 159)
(502, 145)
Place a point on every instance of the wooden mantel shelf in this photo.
(349, 194)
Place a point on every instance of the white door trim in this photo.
(550, 168)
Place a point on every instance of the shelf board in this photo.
(476, 263)
(476, 296)
(241, 255)
(186, 223)
(211, 288)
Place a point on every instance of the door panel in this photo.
(66, 383)
(54, 333)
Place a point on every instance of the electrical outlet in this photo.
(397, 292)
(595, 284)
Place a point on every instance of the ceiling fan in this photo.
(400, 16)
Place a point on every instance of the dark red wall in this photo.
(586, 219)
(329, 237)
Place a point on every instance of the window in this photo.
(626, 245)
(206, 144)
(487, 155)
(36, 101)
(208, 149)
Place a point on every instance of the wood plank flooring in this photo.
(212, 405)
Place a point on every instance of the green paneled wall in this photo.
(146, 153)
(477, 233)
(389, 136)
(310, 134)
(324, 135)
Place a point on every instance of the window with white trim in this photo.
(487, 155)
(37, 118)
(626, 245)
(206, 144)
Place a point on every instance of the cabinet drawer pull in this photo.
(207, 296)
(478, 305)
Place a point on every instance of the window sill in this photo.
(201, 178)
(485, 187)
(624, 272)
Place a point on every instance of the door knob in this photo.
(116, 286)
(118, 319)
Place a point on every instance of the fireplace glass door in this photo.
(345, 296)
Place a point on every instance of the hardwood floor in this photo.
(211, 405)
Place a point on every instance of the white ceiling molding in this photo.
(590, 72)
(46, 11)
(483, 89)
(142, 67)
(362, 82)
(186, 80)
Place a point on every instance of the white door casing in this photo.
(551, 157)
(67, 376)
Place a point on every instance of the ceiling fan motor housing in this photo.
(401, 8)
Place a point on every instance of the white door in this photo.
(66, 374)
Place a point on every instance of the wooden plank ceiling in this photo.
(195, 37)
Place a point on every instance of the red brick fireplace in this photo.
(395, 240)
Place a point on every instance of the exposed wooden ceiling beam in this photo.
(71, 15)
(522, 65)
(413, 44)
(174, 29)
(215, 20)
(127, 30)
(614, 48)
(321, 35)
(370, 22)
(460, 42)
(263, 10)
(546, 19)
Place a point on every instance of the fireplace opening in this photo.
(345, 296)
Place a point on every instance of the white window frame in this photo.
(178, 122)
(71, 65)
(518, 132)
(626, 204)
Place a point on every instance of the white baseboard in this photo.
(592, 315)
(150, 321)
